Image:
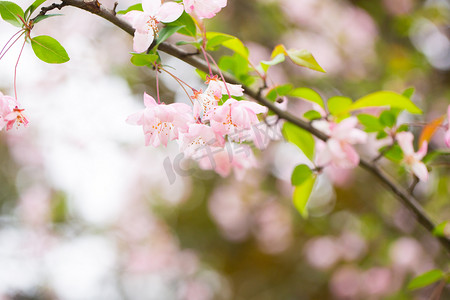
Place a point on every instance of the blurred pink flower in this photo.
(235, 116)
(11, 113)
(204, 8)
(339, 150)
(146, 22)
(412, 159)
(205, 102)
(220, 88)
(198, 137)
(224, 160)
(162, 123)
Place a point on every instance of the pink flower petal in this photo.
(169, 12)
(405, 140)
(151, 7)
(420, 170)
(142, 41)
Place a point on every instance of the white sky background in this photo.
(77, 115)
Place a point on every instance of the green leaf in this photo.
(166, 32)
(304, 58)
(132, 7)
(217, 41)
(302, 194)
(300, 137)
(189, 28)
(308, 95)
(276, 60)
(237, 66)
(426, 279)
(10, 12)
(403, 127)
(300, 174)
(49, 50)
(143, 59)
(338, 104)
(409, 92)
(387, 118)
(371, 123)
(395, 153)
(278, 91)
(195, 44)
(43, 17)
(381, 135)
(442, 230)
(233, 43)
(312, 115)
(32, 8)
(385, 98)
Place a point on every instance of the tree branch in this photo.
(402, 194)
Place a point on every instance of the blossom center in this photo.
(152, 24)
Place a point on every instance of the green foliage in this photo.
(10, 12)
(59, 208)
(230, 42)
(279, 91)
(132, 7)
(187, 23)
(338, 104)
(166, 32)
(49, 50)
(274, 61)
(143, 59)
(409, 92)
(238, 67)
(299, 137)
(387, 118)
(308, 95)
(426, 279)
(385, 98)
(371, 123)
(442, 230)
(393, 153)
(32, 8)
(43, 17)
(302, 192)
(302, 58)
(300, 174)
(312, 115)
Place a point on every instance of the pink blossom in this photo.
(237, 157)
(11, 113)
(412, 159)
(338, 149)
(204, 8)
(220, 88)
(447, 133)
(204, 102)
(235, 117)
(162, 123)
(198, 137)
(146, 22)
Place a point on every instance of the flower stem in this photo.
(3, 52)
(15, 70)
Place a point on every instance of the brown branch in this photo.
(402, 194)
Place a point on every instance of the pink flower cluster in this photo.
(154, 12)
(201, 130)
(11, 113)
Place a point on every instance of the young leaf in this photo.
(371, 123)
(166, 32)
(278, 91)
(426, 279)
(10, 12)
(387, 118)
(300, 137)
(308, 95)
(302, 193)
(189, 28)
(338, 104)
(274, 61)
(143, 59)
(442, 229)
(217, 41)
(385, 98)
(300, 174)
(233, 43)
(312, 115)
(32, 8)
(302, 58)
(429, 130)
(43, 17)
(132, 7)
(49, 50)
(408, 93)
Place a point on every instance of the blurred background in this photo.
(88, 212)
